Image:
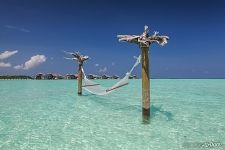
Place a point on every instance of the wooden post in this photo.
(79, 91)
(144, 41)
(145, 85)
(80, 59)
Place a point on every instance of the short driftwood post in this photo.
(79, 91)
(80, 59)
(144, 41)
(145, 84)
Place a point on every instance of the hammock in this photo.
(97, 89)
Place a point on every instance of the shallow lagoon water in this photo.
(49, 115)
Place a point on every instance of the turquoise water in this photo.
(50, 115)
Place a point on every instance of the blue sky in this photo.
(39, 30)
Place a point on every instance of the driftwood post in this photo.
(79, 80)
(145, 84)
(144, 41)
(80, 59)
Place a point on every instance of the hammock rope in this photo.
(97, 89)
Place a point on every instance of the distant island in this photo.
(14, 77)
(50, 76)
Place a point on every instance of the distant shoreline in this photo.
(50, 76)
(119, 79)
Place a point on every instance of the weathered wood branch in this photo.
(144, 39)
(80, 59)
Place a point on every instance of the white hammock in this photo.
(97, 89)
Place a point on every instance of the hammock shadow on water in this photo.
(155, 110)
(158, 110)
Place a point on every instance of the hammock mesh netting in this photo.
(97, 89)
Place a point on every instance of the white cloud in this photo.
(10, 27)
(96, 65)
(24, 30)
(103, 69)
(33, 62)
(18, 66)
(7, 54)
(2, 64)
(206, 71)
(17, 28)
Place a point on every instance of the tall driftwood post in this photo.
(145, 84)
(144, 41)
(80, 59)
(79, 91)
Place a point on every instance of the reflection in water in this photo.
(158, 110)
(106, 102)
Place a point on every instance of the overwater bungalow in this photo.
(115, 77)
(39, 76)
(132, 77)
(58, 77)
(70, 76)
(93, 76)
(49, 76)
(106, 77)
